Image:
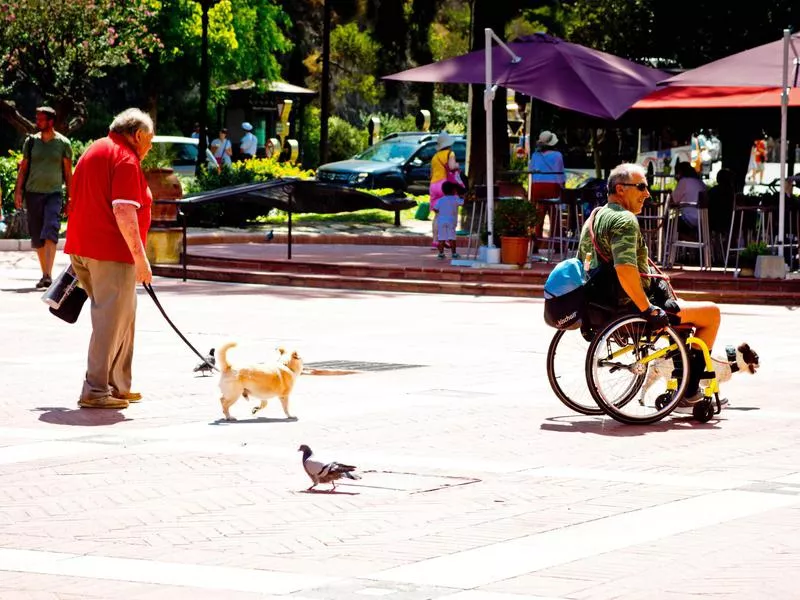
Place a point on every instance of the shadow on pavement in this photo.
(82, 417)
(609, 427)
(329, 492)
(223, 421)
(23, 290)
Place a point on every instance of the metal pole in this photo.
(488, 96)
(202, 144)
(290, 228)
(325, 91)
(184, 226)
(787, 34)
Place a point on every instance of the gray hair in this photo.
(130, 121)
(623, 174)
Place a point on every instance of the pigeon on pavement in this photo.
(270, 235)
(207, 366)
(320, 472)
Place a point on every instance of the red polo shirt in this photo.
(108, 172)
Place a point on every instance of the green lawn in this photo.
(370, 215)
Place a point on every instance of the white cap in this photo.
(247, 126)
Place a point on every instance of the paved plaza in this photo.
(477, 484)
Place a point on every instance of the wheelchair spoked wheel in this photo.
(626, 361)
(566, 357)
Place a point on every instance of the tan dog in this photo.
(741, 360)
(264, 381)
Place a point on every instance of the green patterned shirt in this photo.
(617, 233)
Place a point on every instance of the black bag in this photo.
(570, 291)
(565, 295)
(65, 297)
(70, 308)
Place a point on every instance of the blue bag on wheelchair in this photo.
(565, 295)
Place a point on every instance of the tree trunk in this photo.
(10, 114)
(422, 15)
(488, 13)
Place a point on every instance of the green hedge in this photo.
(237, 214)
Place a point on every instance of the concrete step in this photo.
(443, 273)
(690, 285)
(333, 281)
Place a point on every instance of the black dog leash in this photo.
(152, 294)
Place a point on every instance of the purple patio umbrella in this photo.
(776, 65)
(761, 66)
(567, 75)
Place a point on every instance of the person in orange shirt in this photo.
(760, 156)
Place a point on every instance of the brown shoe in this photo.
(107, 402)
(129, 396)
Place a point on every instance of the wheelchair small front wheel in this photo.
(663, 400)
(703, 411)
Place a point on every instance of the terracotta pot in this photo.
(747, 272)
(164, 185)
(514, 250)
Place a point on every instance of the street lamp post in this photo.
(325, 91)
(204, 77)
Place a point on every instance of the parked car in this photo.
(401, 161)
(182, 152)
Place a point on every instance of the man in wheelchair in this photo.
(612, 241)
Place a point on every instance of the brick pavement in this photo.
(478, 484)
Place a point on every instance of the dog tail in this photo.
(222, 356)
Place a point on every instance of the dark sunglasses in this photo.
(642, 187)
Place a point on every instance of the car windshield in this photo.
(185, 151)
(388, 152)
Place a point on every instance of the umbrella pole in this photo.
(787, 33)
(289, 247)
(488, 96)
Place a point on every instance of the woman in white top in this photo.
(687, 192)
(222, 149)
(547, 177)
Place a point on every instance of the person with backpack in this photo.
(46, 167)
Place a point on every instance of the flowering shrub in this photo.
(8, 179)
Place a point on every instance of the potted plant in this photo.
(163, 182)
(164, 238)
(514, 220)
(749, 256)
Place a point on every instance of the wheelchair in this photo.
(632, 374)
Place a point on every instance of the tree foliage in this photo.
(354, 62)
(60, 47)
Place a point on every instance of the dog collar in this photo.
(731, 352)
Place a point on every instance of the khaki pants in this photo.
(111, 287)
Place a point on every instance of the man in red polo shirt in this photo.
(108, 219)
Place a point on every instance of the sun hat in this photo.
(547, 138)
(443, 141)
(247, 126)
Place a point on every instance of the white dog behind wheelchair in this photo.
(742, 359)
